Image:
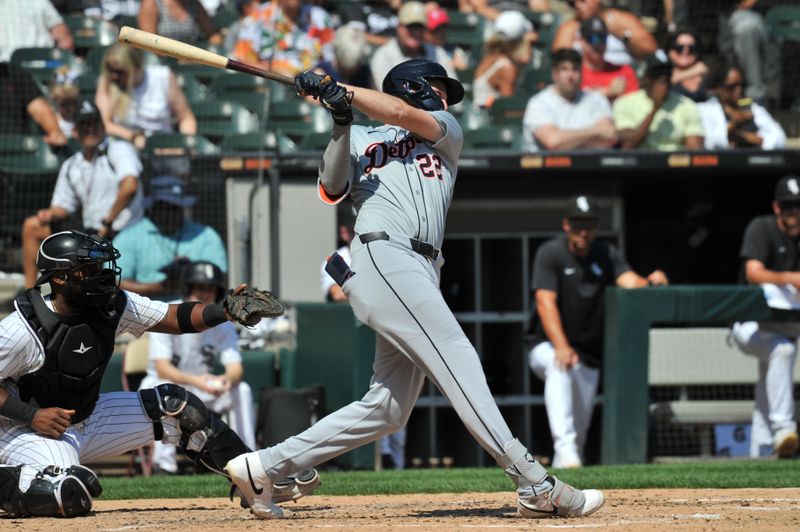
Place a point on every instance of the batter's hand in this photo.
(52, 421)
(310, 83)
(566, 357)
(336, 99)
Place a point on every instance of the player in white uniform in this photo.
(190, 359)
(401, 179)
(53, 352)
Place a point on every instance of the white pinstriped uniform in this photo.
(118, 423)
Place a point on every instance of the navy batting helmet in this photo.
(203, 272)
(410, 81)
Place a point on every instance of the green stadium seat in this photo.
(27, 154)
(470, 116)
(297, 118)
(316, 141)
(466, 30)
(41, 62)
(195, 91)
(532, 80)
(270, 141)
(176, 144)
(87, 86)
(508, 110)
(496, 138)
(784, 22)
(217, 119)
(466, 77)
(204, 74)
(546, 24)
(251, 91)
(225, 15)
(90, 32)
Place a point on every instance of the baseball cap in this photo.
(413, 13)
(581, 206)
(169, 189)
(594, 31)
(511, 26)
(657, 65)
(788, 189)
(87, 111)
(437, 17)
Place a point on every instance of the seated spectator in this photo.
(507, 50)
(491, 9)
(111, 10)
(191, 361)
(598, 74)
(31, 24)
(564, 117)
(245, 8)
(182, 20)
(136, 100)
(378, 18)
(100, 182)
(438, 22)
(286, 36)
(349, 64)
(656, 117)
(732, 121)
(65, 95)
(21, 101)
(627, 37)
(688, 71)
(156, 248)
(408, 43)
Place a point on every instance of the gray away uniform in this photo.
(402, 185)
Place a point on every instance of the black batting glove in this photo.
(309, 83)
(336, 99)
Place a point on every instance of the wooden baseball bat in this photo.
(180, 50)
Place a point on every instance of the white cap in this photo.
(511, 25)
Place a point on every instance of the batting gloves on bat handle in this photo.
(333, 96)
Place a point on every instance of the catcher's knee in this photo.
(55, 492)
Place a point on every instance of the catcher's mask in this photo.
(204, 273)
(410, 81)
(87, 264)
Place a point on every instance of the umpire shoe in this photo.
(254, 485)
(562, 501)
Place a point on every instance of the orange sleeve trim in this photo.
(331, 199)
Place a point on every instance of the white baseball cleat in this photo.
(786, 443)
(562, 501)
(295, 486)
(255, 487)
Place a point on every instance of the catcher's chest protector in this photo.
(77, 350)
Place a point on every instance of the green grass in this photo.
(727, 474)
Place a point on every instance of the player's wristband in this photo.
(18, 410)
(213, 315)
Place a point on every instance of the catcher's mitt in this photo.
(250, 305)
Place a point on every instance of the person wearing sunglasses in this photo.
(688, 70)
(733, 121)
(770, 257)
(597, 73)
(570, 275)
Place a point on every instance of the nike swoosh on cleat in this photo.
(257, 491)
(554, 511)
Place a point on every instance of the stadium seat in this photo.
(466, 77)
(195, 91)
(508, 110)
(87, 86)
(90, 32)
(251, 91)
(546, 25)
(27, 154)
(41, 62)
(270, 141)
(784, 22)
(469, 116)
(533, 80)
(466, 31)
(494, 138)
(297, 118)
(316, 142)
(204, 74)
(217, 119)
(176, 144)
(225, 15)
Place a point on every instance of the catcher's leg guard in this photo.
(55, 492)
(200, 433)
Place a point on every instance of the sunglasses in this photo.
(116, 71)
(789, 205)
(731, 86)
(582, 224)
(685, 48)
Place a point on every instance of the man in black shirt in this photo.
(770, 254)
(570, 274)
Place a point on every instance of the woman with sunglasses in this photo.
(688, 71)
(136, 100)
(733, 121)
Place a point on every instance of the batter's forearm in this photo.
(336, 168)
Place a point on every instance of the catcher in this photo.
(54, 350)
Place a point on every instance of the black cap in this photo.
(788, 189)
(594, 31)
(658, 65)
(87, 111)
(582, 207)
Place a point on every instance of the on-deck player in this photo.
(401, 179)
(53, 353)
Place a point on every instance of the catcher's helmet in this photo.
(410, 81)
(203, 272)
(89, 263)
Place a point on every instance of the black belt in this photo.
(429, 251)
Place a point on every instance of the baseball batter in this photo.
(54, 350)
(401, 179)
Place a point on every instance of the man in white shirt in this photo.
(101, 181)
(564, 117)
(31, 24)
